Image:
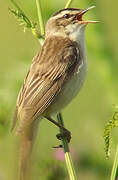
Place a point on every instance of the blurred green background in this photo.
(85, 117)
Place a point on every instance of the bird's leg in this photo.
(65, 132)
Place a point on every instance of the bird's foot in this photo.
(65, 134)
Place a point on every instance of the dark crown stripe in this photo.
(71, 9)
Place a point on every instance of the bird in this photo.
(55, 77)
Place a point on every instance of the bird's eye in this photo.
(67, 16)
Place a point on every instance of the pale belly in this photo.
(69, 91)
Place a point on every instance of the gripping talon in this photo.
(65, 134)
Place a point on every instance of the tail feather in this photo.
(27, 140)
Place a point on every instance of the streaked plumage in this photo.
(55, 77)
(48, 75)
(60, 64)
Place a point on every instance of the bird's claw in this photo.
(65, 134)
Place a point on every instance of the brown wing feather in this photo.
(47, 74)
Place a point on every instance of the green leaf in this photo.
(113, 122)
(21, 17)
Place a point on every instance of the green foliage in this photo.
(113, 122)
(22, 18)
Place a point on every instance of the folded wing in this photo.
(50, 69)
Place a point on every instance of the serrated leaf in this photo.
(113, 122)
(22, 18)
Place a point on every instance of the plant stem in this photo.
(69, 162)
(38, 36)
(115, 165)
(68, 3)
(39, 10)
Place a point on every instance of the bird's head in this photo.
(67, 21)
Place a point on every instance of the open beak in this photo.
(80, 15)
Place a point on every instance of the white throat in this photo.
(77, 34)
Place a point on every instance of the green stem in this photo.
(69, 162)
(64, 141)
(68, 3)
(38, 3)
(115, 165)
